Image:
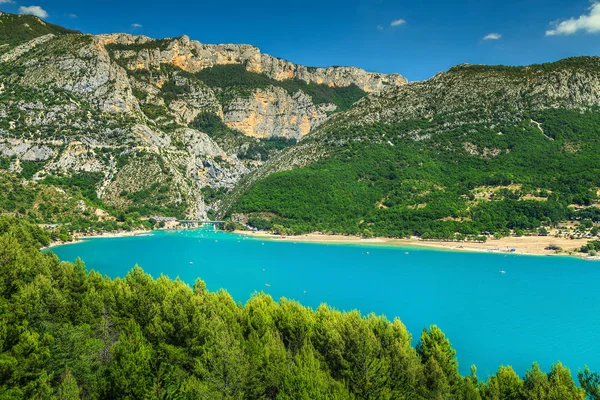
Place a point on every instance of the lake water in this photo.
(542, 309)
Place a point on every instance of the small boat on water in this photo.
(267, 284)
(191, 262)
(502, 272)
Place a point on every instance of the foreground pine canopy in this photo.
(68, 333)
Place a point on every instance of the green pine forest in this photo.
(398, 186)
(69, 333)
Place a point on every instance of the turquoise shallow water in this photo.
(543, 309)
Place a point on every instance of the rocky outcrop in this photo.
(24, 48)
(77, 157)
(26, 150)
(193, 56)
(208, 163)
(274, 113)
(123, 39)
(84, 68)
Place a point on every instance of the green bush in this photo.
(30, 168)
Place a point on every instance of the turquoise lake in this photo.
(542, 309)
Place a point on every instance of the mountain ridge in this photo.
(388, 99)
(138, 143)
(193, 56)
(415, 158)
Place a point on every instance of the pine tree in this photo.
(68, 388)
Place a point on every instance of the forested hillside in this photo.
(476, 150)
(69, 333)
(16, 29)
(130, 127)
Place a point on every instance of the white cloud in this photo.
(589, 23)
(492, 36)
(73, 16)
(33, 10)
(380, 27)
(7, 2)
(135, 26)
(398, 22)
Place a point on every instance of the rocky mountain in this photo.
(144, 53)
(475, 149)
(257, 94)
(465, 95)
(153, 127)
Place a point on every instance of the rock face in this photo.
(274, 113)
(84, 68)
(193, 56)
(26, 150)
(268, 111)
(24, 48)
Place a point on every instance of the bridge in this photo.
(199, 222)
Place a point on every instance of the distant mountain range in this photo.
(107, 129)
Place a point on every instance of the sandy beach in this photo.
(105, 235)
(530, 245)
(526, 245)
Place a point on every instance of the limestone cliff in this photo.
(264, 111)
(273, 112)
(193, 56)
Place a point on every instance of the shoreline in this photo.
(518, 245)
(522, 245)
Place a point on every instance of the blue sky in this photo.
(414, 38)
